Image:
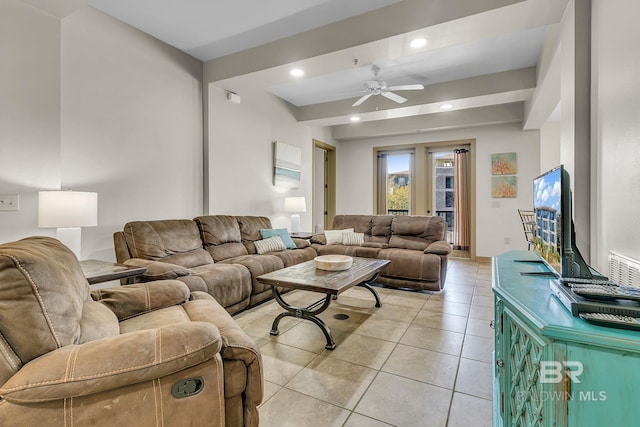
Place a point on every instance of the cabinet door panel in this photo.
(608, 390)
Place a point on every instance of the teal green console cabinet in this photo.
(553, 369)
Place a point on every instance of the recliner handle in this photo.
(188, 387)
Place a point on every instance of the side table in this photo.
(301, 235)
(97, 271)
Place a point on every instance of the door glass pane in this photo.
(398, 184)
(444, 195)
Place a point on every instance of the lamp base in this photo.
(295, 223)
(71, 237)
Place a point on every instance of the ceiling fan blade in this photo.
(361, 100)
(407, 87)
(392, 96)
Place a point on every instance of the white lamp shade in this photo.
(60, 209)
(295, 204)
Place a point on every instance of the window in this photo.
(394, 182)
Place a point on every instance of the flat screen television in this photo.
(554, 235)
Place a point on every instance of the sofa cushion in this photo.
(193, 258)
(218, 229)
(265, 233)
(250, 227)
(296, 256)
(380, 229)
(42, 285)
(411, 264)
(359, 223)
(158, 240)
(416, 232)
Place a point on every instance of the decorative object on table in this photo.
(287, 164)
(295, 205)
(504, 187)
(67, 211)
(504, 164)
(333, 262)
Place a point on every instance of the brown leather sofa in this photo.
(215, 254)
(414, 244)
(146, 355)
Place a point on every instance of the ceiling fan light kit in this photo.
(377, 87)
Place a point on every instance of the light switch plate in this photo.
(9, 202)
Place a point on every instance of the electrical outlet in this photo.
(9, 202)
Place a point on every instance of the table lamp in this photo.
(295, 205)
(67, 211)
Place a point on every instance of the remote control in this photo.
(606, 291)
(615, 320)
(571, 280)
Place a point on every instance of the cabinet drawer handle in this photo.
(500, 363)
(492, 324)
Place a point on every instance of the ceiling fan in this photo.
(377, 87)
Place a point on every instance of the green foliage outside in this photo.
(398, 196)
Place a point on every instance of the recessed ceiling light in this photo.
(355, 118)
(297, 72)
(416, 43)
(446, 106)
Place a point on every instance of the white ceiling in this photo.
(481, 55)
(210, 29)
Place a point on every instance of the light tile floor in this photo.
(422, 359)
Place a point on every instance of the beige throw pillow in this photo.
(334, 237)
(272, 244)
(351, 238)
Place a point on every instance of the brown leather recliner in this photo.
(147, 354)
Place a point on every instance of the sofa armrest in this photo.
(158, 270)
(439, 247)
(320, 239)
(300, 243)
(133, 300)
(110, 363)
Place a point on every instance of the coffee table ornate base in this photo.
(310, 312)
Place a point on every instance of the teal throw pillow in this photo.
(282, 232)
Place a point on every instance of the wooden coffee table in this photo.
(307, 277)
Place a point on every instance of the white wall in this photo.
(496, 219)
(616, 113)
(29, 112)
(550, 145)
(131, 125)
(96, 105)
(241, 157)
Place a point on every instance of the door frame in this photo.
(329, 182)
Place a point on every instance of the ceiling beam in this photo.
(482, 116)
(394, 20)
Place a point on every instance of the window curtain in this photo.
(382, 184)
(461, 237)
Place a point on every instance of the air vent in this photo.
(624, 270)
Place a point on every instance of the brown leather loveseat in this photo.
(147, 354)
(415, 246)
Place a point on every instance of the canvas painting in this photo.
(504, 186)
(504, 164)
(287, 162)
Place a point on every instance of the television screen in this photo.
(547, 206)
